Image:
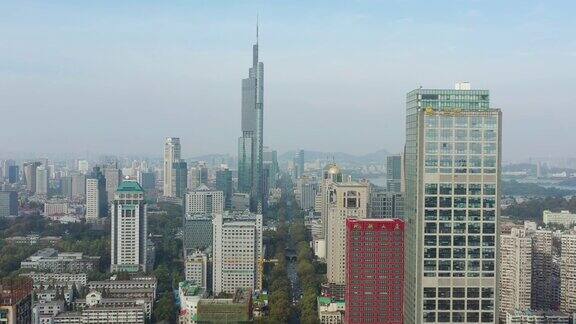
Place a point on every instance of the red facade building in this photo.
(374, 270)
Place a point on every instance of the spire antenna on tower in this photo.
(257, 27)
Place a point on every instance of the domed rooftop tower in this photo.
(333, 172)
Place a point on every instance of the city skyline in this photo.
(375, 212)
(168, 61)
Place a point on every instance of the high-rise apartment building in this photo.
(147, 180)
(83, 166)
(113, 177)
(78, 185)
(374, 270)
(96, 197)
(306, 190)
(346, 200)
(8, 203)
(30, 175)
(237, 252)
(545, 272)
(515, 271)
(66, 186)
(224, 184)
(13, 174)
(270, 165)
(179, 178)
(394, 173)
(452, 172)
(204, 201)
(196, 268)
(129, 228)
(386, 204)
(92, 200)
(250, 144)
(299, 164)
(6, 164)
(172, 151)
(197, 176)
(568, 273)
(41, 181)
(197, 232)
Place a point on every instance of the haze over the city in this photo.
(118, 77)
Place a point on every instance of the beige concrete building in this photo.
(196, 269)
(203, 200)
(345, 200)
(516, 271)
(537, 317)
(330, 311)
(306, 189)
(237, 252)
(568, 274)
(564, 218)
(332, 174)
(92, 200)
(55, 208)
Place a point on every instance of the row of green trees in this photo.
(280, 288)
(168, 268)
(532, 209)
(307, 274)
(515, 188)
(76, 237)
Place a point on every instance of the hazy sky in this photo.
(119, 76)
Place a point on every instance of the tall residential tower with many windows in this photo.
(452, 170)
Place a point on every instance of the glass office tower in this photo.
(250, 144)
(452, 170)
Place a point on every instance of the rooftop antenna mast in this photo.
(257, 23)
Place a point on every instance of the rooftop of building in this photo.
(530, 312)
(241, 296)
(202, 187)
(461, 87)
(69, 314)
(230, 217)
(351, 183)
(333, 168)
(118, 282)
(325, 301)
(563, 212)
(189, 288)
(190, 216)
(375, 224)
(129, 186)
(55, 255)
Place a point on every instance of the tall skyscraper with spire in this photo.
(250, 144)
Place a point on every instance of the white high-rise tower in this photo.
(129, 228)
(172, 152)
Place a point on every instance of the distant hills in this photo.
(340, 157)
